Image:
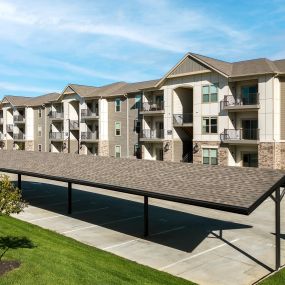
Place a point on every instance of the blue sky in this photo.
(47, 44)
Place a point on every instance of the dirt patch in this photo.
(6, 266)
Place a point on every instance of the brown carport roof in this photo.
(233, 189)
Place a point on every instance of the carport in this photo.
(230, 189)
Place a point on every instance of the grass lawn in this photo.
(276, 279)
(56, 259)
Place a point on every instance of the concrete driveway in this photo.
(201, 245)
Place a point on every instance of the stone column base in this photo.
(103, 148)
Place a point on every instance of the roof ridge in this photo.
(192, 53)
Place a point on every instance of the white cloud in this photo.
(10, 86)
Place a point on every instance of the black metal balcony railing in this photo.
(240, 134)
(152, 106)
(152, 134)
(19, 136)
(74, 125)
(89, 113)
(181, 119)
(89, 136)
(56, 115)
(230, 100)
(19, 118)
(9, 128)
(56, 135)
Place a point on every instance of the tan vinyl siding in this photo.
(282, 109)
(187, 66)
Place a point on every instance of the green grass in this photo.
(56, 259)
(275, 279)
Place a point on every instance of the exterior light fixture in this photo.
(195, 148)
(166, 147)
(64, 145)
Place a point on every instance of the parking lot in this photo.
(202, 245)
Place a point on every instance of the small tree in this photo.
(11, 201)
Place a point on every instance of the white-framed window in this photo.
(210, 125)
(117, 151)
(39, 147)
(39, 131)
(210, 156)
(118, 105)
(210, 93)
(117, 128)
(40, 112)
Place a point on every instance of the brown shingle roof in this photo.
(43, 99)
(233, 189)
(17, 101)
(280, 64)
(83, 90)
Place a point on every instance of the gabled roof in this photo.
(106, 90)
(16, 101)
(81, 90)
(232, 69)
(43, 99)
(134, 87)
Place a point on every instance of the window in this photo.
(249, 95)
(40, 113)
(39, 131)
(210, 156)
(39, 147)
(117, 151)
(138, 99)
(210, 125)
(210, 93)
(117, 128)
(118, 105)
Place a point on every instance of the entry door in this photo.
(159, 153)
(159, 129)
(250, 159)
(249, 128)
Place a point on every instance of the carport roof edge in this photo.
(230, 189)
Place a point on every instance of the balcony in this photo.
(56, 136)
(1, 120)
(55, 115)
(89, 136)
(19, 119)
(152, 135)
(240, 136)
(183, 120)
(10, 128)
(149, 108)
(1, 137)
(19, 137)
(74, 125)
(235, 104)
(89, 114)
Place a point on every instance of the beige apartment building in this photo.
(203, 110)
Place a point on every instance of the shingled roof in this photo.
(17, 101)
(41, 100)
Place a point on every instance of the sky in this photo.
(45, 45)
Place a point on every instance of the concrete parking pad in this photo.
(202, 245)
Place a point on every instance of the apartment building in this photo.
(216, 112)
(203, 110)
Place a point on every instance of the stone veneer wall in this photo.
(167, 155)
(222, 152)
(9, 144)
(103, 148)
(29, 145)
(271, 155)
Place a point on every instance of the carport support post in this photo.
(277, 228)
(20, 181)
(145, 216)
(69, 210)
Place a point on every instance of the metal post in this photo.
(146, 231)
(20, 181)
(277, 228)
(69, 198)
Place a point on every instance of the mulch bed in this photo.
(6, 266)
